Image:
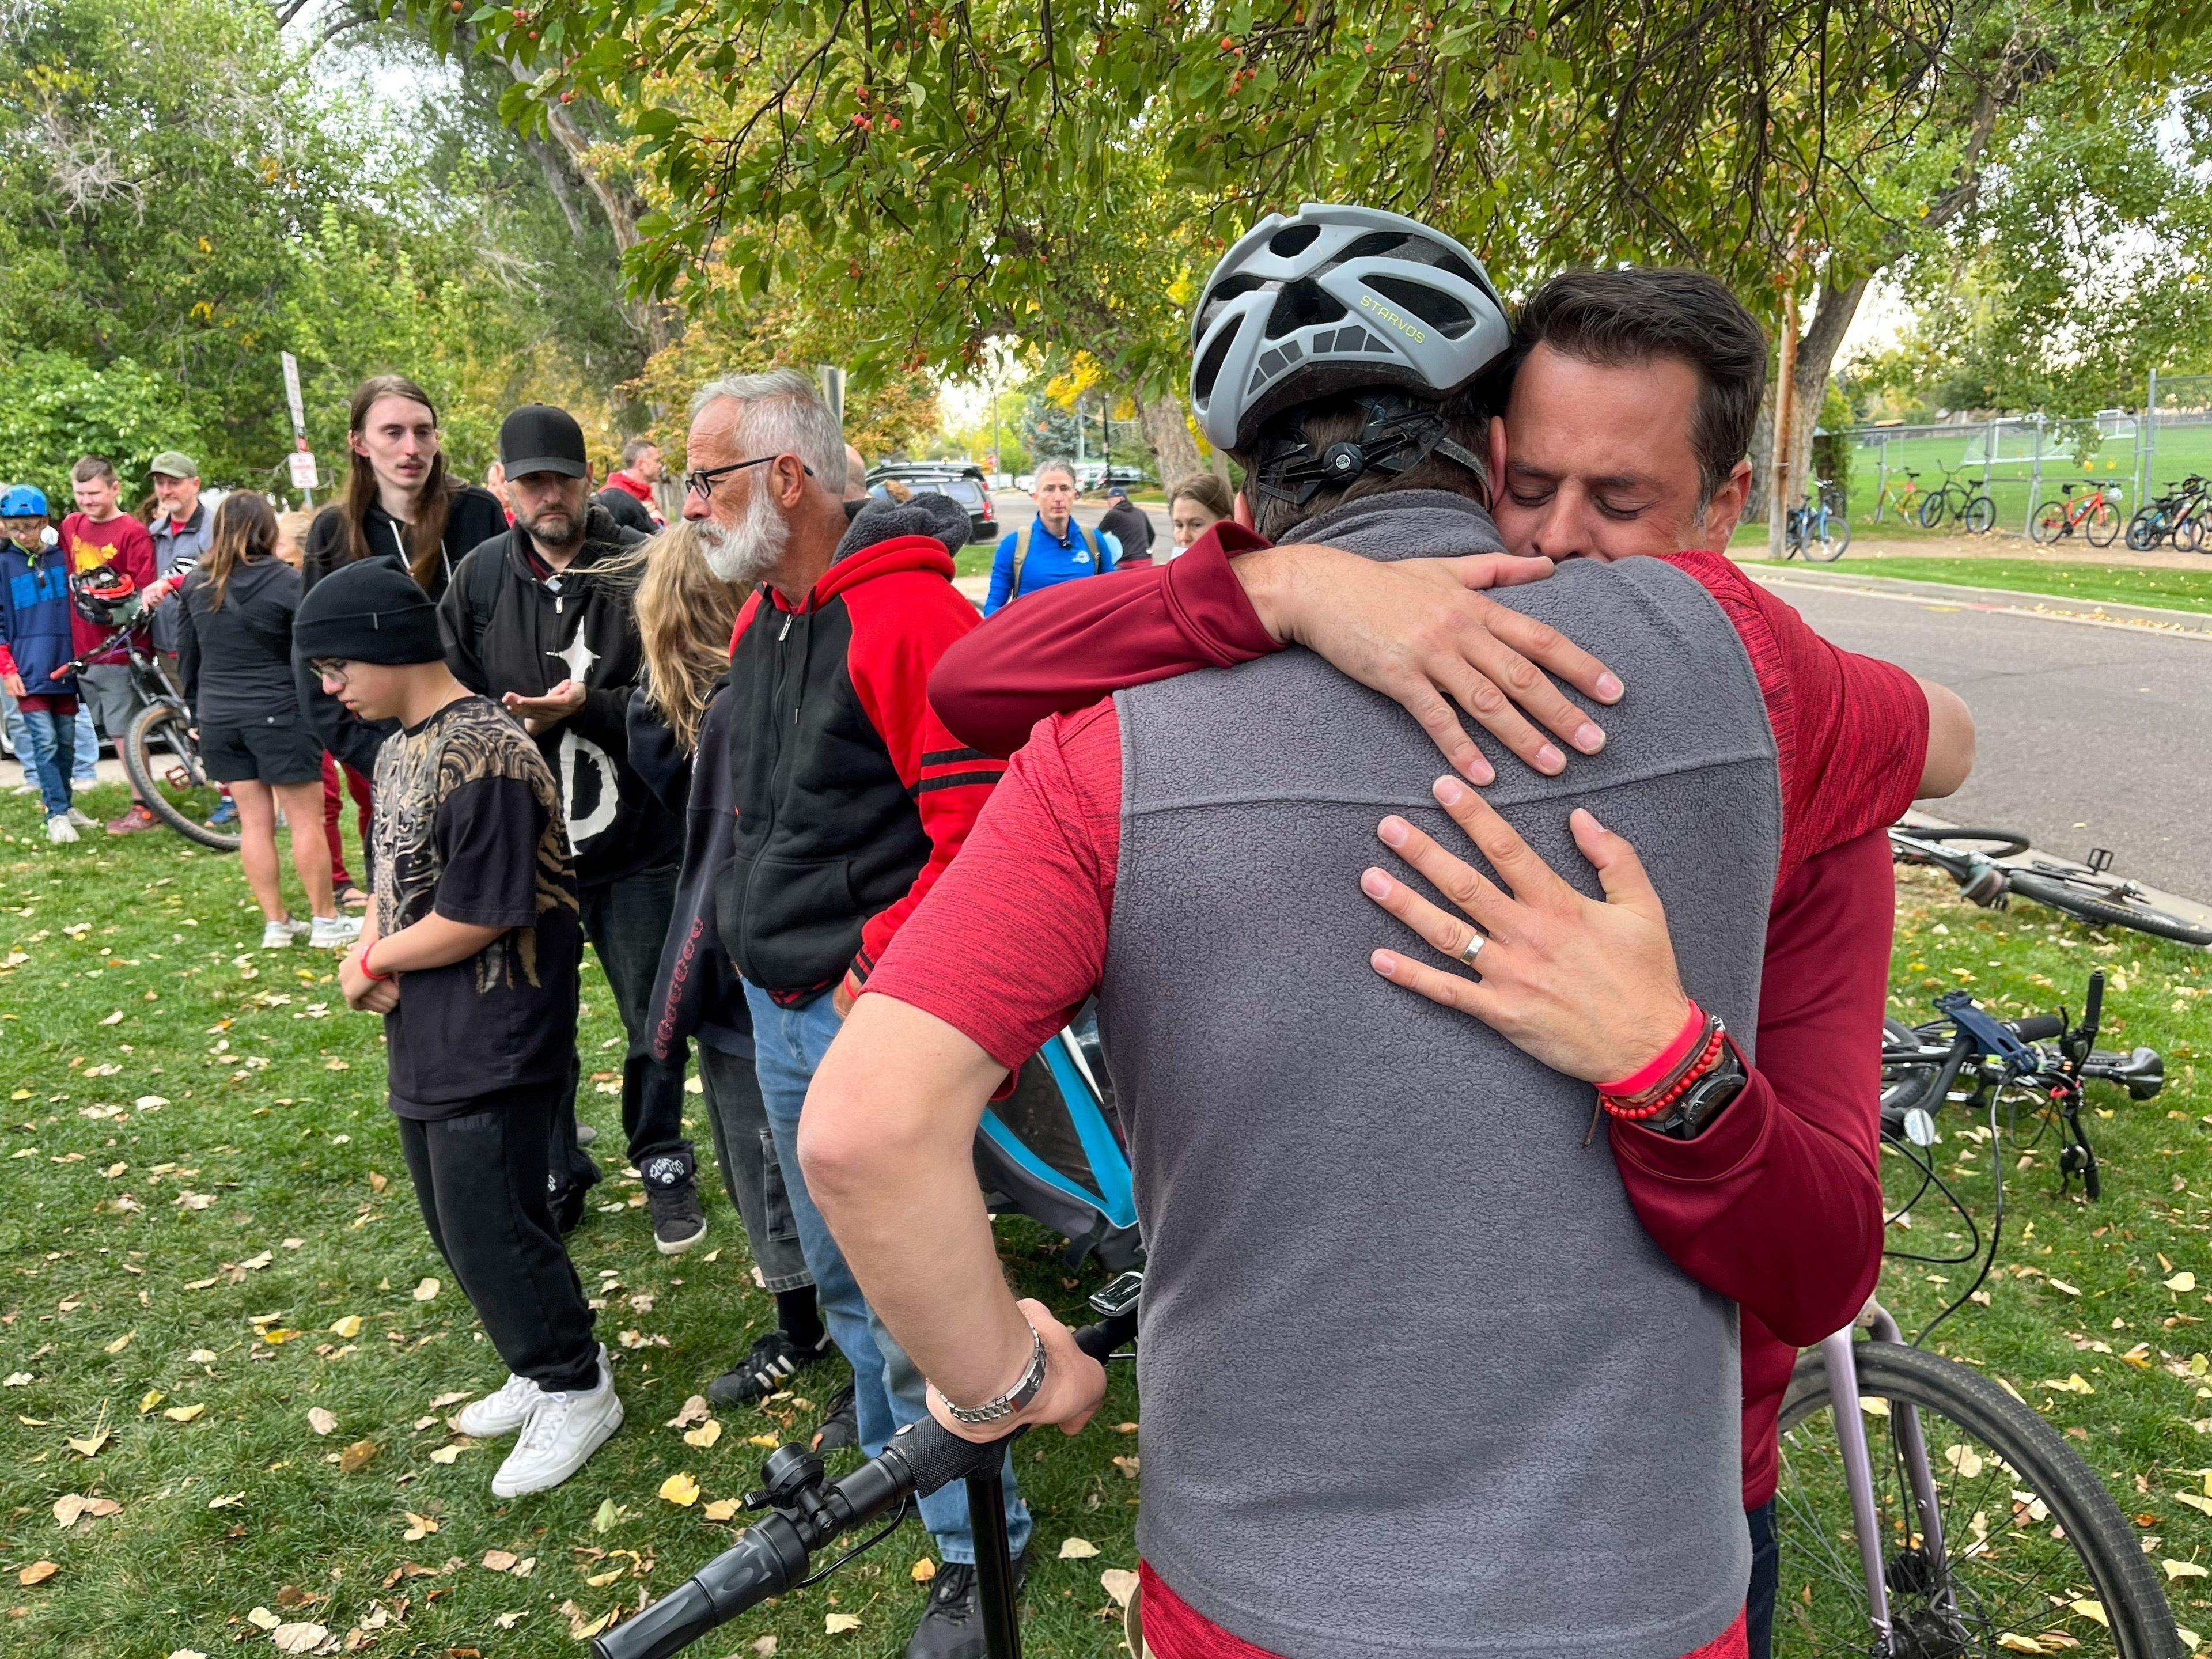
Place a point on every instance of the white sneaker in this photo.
(279, 935)
(503, 1412)
(559, 1437)
(334, 932)
(83, 820)
(60, 830)
(26, 787)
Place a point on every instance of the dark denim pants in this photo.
(1765, 1581)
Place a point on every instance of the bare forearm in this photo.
(1950, 742)
(435, 941)
(884, 1143)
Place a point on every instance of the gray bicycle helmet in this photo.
(1334, 300)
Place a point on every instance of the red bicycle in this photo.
(2097, 515)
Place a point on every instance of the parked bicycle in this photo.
(1924, 1510)
(1970, 857)
(1813, 530)
(159, 751)
(2096, 515)
(1955, 498)
(1906, 498)
(2180, 516)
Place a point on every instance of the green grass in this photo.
(130, 974)
(2181, 451)
(2109, 584)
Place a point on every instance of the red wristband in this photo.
(1665, 1062)
(362, 962)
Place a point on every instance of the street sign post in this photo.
(302, 459)
(304, 479)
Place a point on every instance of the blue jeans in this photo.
(888, 1392)
(19, 735)
(1765, 1581)
(51, 742)
(87, 767)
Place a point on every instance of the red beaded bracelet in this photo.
(1707, 1058)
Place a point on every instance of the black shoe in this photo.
(773, 1360)
(952, 1626)
(841, 1427)
(569, 1206)
(672, 1195)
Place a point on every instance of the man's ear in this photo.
(1725, 509)
(1497, 458)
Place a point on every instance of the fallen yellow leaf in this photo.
(88, 1445)
(1120, 1583)
(184, 1413)
(2092, 1610)
(601, 1580)
(1077, 1549)
(427, 1291)
(837, 1624)
(923, 1571)
(680, 1489)
(722, 1508)
(2184, 1281)
(121, 1342)
(2182, 1569)
(419, 1526)
(38, 1572)
(767, 1440)
(321, 1418)
(704, 1435)
(348, 1327)
(356, 1456)
(151, 1398)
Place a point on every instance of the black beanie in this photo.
(368, 611)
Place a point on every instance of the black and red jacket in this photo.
(851, 797)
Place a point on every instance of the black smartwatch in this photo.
(1702, 1101)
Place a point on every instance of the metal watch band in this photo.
(1024, 1390)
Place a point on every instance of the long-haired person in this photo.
(292, 530)
(685, 616)
(235, 653)
(1195, 505)
(402, 505)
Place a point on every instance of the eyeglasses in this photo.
(701, 483)
(330, 668)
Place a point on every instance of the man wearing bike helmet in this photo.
(1349, 1191)
(1631, 404)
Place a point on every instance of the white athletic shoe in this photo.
(83, 820)
(498, 1413)
(60, 830)
(560, 1435)
(279, 935)
(334, 932)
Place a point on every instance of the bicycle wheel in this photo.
(2036, 1556)
(1997, 843)
(1931, 510)
(2050, 521)
(2144, 529)
(2104, 526)
(1981, 515)
(1835, 538)
(2101, 905)
(2189, 535)
(181, 793)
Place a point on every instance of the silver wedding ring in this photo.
(1473, 950)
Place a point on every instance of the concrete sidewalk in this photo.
(2052, 607)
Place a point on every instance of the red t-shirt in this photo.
(121, 541)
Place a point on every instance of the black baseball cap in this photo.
(539, 438)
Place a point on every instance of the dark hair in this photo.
(426, 537)
(245, 529)
(1209, 491)
(1636, 314)
(1341, 419)
(90, 467)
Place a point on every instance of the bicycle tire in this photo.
(2050, 522)
(2061, 894)
(1997, 844)
(1981, 516)
(2189, 534)
(2144, 529)
(2103, 528)
(166, 723)
(1837, 538)
(1969, 1406)
(1932, 509)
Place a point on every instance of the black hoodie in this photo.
(511, 624)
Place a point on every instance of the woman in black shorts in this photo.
(235, 653)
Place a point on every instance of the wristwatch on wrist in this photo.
(1702, 1100)
(1024, 1390)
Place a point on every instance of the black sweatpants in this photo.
(626, 920)
(481, 1180)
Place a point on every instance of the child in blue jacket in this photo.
(34, 641)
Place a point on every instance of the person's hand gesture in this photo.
(541, 714)
(364, 994)
(1588, 988)
(1075, 1385)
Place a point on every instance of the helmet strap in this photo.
(1397, 435)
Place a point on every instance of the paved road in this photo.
(2089, 737)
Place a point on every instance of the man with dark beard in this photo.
(541, 617)
(850, 800)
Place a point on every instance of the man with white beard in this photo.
(850, 798)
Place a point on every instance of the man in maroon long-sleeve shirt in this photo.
(1606, 449)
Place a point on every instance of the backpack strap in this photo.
(1021, 558)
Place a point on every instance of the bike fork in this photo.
(1859, 1475)
(994, 1567)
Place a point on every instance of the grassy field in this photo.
(2109, 584)
(210, 1242)
(2181, 451)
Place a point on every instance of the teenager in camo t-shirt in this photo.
(471, 955)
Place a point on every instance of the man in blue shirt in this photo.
(1055, 549)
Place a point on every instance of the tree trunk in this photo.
(1761, 452)
(1167, 429)
(1813, 359)
(1785, 425)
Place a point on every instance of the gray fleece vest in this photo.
(1415, 1379)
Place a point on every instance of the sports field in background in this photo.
(2181, 451)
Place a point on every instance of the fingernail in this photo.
(1374, 883)
(1384, 963)
(1479, 771)
(1609, 687)
(1449, 791)
(1393, 831)
(1588, 738)
(1549, 759)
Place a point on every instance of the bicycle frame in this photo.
(1837, 1353)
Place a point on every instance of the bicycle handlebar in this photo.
(773, 1556)
(2039, 1028)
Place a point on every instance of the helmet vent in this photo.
(1302, 305)
(1432, 305)
(1288, 244)
(1209, 367)
(1380, 244)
